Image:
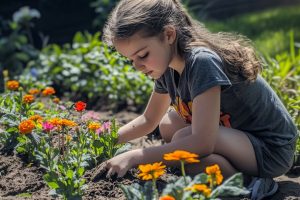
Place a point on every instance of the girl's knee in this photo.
(182, 133)
(169, 125)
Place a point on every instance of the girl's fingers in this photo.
(122, 173)
(110, 172)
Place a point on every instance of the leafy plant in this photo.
(90, 70)
(16, 43)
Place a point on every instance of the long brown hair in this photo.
(151, 16)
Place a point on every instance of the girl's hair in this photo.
(149, 17)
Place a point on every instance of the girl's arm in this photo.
(202, 138)
(157, 106)
(204, 129)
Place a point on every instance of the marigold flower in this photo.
(48, 91)
(182, 156)
(12, 85)
(167, 197)
(57, 122)
(80, 106)
(34, 91)
(93, 126)
(28, 99)
(151, 171)
(216, 176)
(200, 188)
(36, 118)
(66, 122)
(56, 100)
(26, 126)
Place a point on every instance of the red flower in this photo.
(80, 106)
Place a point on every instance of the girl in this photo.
(223, 109)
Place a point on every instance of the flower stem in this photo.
(154, 188)
(183, 171)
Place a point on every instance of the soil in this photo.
(19, 180)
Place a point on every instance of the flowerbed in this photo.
(64, 142)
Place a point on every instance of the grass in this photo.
(268, 29)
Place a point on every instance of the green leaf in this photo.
(80, 171)
(70, 174)
(53, 185)
(231, 187)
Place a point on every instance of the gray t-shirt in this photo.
(251, 107)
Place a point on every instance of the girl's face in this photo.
(150, 55)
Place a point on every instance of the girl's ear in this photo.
(170, 34)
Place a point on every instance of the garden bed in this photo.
(19, 180)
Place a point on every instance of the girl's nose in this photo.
(138, 66)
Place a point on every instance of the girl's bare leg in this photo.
(233, 150)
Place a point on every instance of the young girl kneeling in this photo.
(223, 109)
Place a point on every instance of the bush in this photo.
(90, 70)
(16, 45)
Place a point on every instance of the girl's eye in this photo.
(144, 56)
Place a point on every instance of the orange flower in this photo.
(80, 106)
(167, 197)
(56, 100)
(55, 121)
(200, 188)
(66, 122)
(33, 91)
(216, 176)
(12, 85)
(182, 156)
(151, 171)
(28, 99)
(26, 126)
(36, 118)
(93, 126)
(48, 91)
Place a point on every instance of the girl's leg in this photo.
(169, 124)
(233, 151)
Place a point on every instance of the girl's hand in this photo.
(117, 165)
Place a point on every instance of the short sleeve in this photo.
(160, 86)
(206, 72)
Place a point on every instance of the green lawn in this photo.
(268, 29)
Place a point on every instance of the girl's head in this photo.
(170, 30)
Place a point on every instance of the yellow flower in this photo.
(93, 126)
(26, 126)
(66, 122)
(68, 137)
(48, 91)
(12, 85)
(56, 100)
(28, 99)
(33, 91)
(167, 197)
(182, 156)
(216, 176)
(151, 171)
(200, 188)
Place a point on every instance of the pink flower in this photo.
(62, 107)
(47, 127)
(90, 115)
(105, 127)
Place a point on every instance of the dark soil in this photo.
(19, 180)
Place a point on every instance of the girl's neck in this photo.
(177, 63)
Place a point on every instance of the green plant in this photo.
(91, 70)
(16, 43)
